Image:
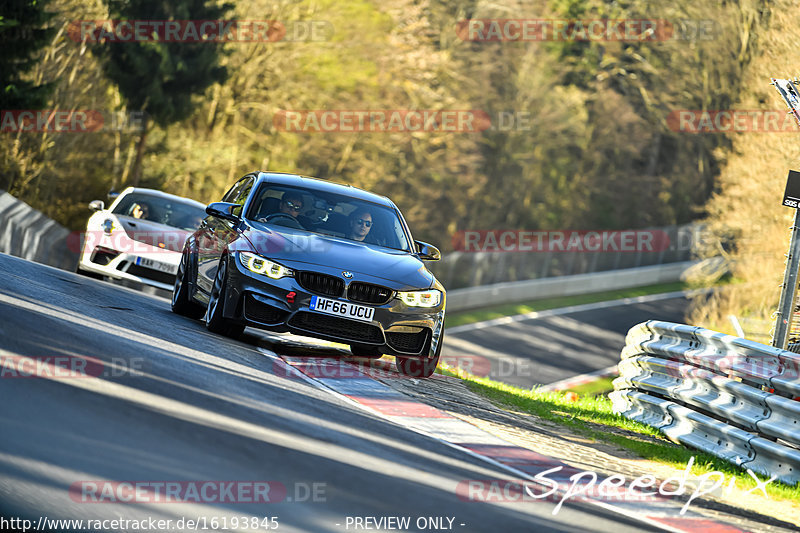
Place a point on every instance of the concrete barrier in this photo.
(27, 233)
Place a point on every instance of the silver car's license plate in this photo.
(342, 309)
(156, 265)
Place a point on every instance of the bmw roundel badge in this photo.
(347, 274)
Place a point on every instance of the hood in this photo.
(309, 251)
(154, 234)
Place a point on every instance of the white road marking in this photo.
(571, 309)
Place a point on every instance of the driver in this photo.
(141, 210)
(360, 224)
(289, 208)
(291, 204)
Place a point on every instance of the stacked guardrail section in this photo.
(724, 395)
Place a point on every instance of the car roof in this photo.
(318, 184)
(161, 194)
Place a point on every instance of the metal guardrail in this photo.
(724, 395)
(521, 291)
(474, 268)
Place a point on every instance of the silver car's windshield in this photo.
(328, 214)
(168, 211)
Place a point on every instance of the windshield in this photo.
(328, 214)
(169, 211)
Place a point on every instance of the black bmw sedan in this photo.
(291, 253)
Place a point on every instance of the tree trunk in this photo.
(137, 165)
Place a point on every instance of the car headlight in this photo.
(429, 298)
(262, 265)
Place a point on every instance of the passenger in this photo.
(360, 224)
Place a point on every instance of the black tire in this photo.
(215, 321)
(182, 302)
(417, 367)
(369, 352)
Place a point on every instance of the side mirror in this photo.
(97, 205)
(427, 252)
(223, 210)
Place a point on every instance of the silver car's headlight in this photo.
(428, 298)
(262, 265)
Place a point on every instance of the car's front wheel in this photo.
(215, 321)
(419, 368)
(181, 293)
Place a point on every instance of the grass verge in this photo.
(593, 417)
(600, 386)
(499, 311)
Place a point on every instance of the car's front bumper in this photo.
(395, 329)
(104, 258)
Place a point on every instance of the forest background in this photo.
(582, 133)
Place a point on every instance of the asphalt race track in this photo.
(167, 403)
(555, 345)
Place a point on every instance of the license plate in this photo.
(156, 265)
(342, 309)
